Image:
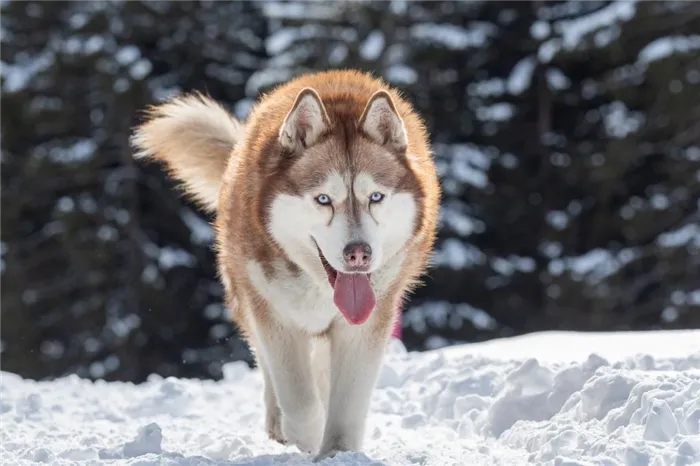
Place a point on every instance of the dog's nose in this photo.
(357, 254)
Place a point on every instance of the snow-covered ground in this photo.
(550, 398)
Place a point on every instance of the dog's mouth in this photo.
(353, 293)
(330, 271)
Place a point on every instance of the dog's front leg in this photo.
(356, 357)
(287, 361)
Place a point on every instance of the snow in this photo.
(557, 219)
(693, 297)
(266, 78)
(508, 266)
(373, 45)
(451, 36)
(94, 44)
(17, 76)
(202, 231)
(126, 55)
(603, 24)
(688, 234)
(595, 265)
(487, 88)
(79, 151)
(455, 215)
(665, 46)
(299, 10)
(540, 29)
(554, 398)
(443, 314)
(467, 163)
(501, 111)
(140, 69)
(521, 76)
(620, 121)
(338, 54)
(175, 257)
(281, 40)
(557, 80)
(401, 75)
(457, 255)
(551, 249)
(548, 49)
(573, 31)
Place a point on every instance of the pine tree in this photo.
(584, 214)
(103, 261)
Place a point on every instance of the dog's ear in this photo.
(381, 122)
(305, 122)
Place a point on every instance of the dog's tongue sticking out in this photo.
(354, 296)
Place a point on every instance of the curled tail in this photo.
(193, 137)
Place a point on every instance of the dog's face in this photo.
(352, 216)
(350, 201)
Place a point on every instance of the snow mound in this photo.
(550, 399)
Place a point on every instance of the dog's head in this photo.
(350, 201)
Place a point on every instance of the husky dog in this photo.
(327, 203)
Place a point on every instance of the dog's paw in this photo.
(306, 432)
(326, 454)
(334, 443)
(273, 425)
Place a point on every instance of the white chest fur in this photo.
(295, 298)
(300, 301)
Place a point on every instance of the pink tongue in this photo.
(354, 296)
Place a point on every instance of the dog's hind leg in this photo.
(273, 413)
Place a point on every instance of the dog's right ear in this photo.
(305, 122)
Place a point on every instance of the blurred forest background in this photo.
(567, 135)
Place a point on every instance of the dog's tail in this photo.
(194, 138)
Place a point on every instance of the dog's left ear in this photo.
(381, 122)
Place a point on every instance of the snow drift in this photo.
(550, 399)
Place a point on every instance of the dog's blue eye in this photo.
(376, 197)
(323, 199)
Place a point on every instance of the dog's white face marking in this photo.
(339, 211)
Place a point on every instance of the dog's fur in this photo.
(348, 136)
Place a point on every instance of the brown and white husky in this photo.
(326, 203)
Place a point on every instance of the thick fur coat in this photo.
(327, 203)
